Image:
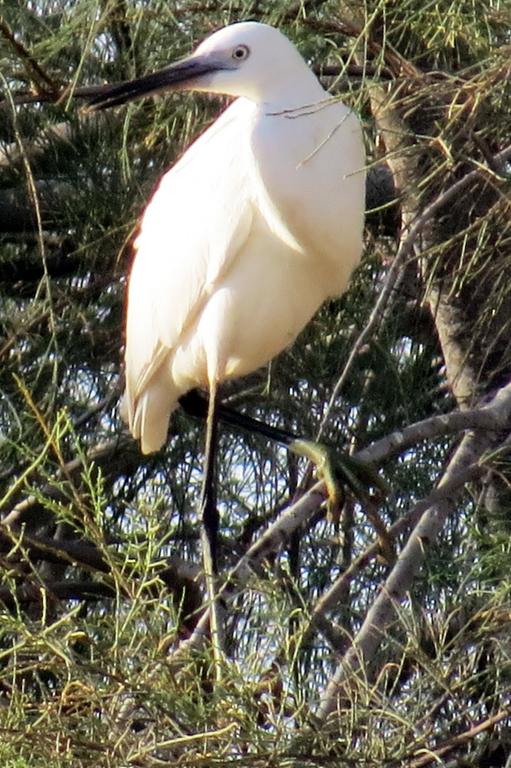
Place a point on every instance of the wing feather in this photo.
(192, 230)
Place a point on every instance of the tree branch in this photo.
(369, 637)
(437, 752)
(32, 65)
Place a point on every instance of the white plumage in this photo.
(249, 233)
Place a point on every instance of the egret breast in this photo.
(264, 301)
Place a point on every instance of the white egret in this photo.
(246, 236)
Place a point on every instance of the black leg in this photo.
(208, 508)
(195, 403)
(209, 529)
(337, 470)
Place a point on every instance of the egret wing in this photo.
(192, 230)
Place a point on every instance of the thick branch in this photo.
(336, 593)
(399, 582)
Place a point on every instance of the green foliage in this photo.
(99, 546)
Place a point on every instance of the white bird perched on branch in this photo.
(249, 233)
(245, 237)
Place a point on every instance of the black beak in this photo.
(182, 74)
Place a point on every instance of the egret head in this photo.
(250, 59)
(247, 59)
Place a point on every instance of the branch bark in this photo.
(400, 580)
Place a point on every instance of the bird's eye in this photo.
(240, 53)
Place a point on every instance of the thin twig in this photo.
(435, 753)
(25, 55)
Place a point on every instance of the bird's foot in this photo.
(339, 471)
